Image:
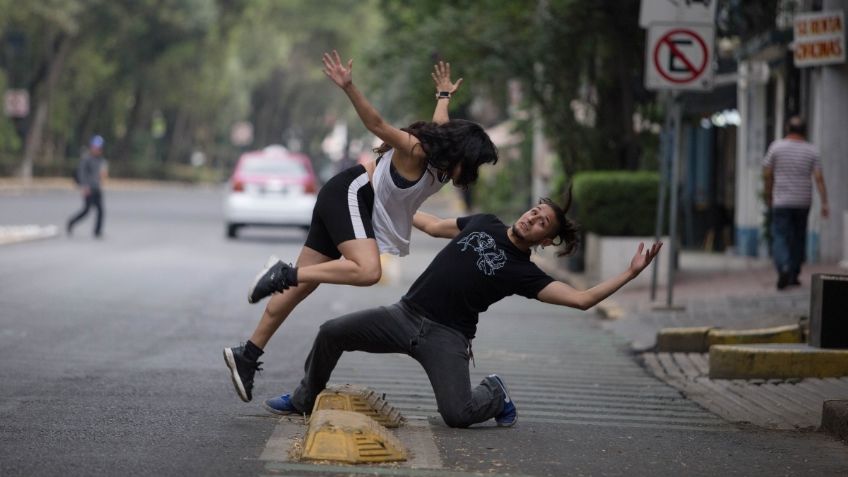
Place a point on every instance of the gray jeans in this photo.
(442, 351)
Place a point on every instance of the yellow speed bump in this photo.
(351, 437)
(776, 361)
(348, 397)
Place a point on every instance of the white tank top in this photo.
(394, 207)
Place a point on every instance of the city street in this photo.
(111, 363)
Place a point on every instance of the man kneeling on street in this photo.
(436, 320)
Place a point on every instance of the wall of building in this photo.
(829, 123)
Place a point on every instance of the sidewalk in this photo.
(734, 293)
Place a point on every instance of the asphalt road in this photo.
(111, 363)
(112, 348)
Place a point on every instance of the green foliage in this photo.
(187, 69)
(616, 203)
(504, 189)
(564, 53)
(749, 19)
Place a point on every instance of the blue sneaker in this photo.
(508, 415)
(281, 405)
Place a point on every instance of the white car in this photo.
(270, 187)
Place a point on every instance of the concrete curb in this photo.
(776, 361)
(12, 185)
(10, 234)
(683, 340)
(699, 339)
(835, 419)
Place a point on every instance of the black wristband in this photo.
(443, 94)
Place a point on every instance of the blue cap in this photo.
(96, 141)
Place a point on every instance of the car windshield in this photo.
(272, 166)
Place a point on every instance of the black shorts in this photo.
(342, 212)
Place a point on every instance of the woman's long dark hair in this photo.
(455, 142)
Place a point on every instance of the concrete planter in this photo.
(606, 257)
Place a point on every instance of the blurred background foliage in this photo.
(165, 80)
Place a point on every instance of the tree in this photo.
(162, 78)
(566, 53)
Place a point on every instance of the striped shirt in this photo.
(792, 162)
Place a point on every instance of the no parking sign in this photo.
(679, 56)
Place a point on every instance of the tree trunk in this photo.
(122, 148)
(34, 135)
(180, 141)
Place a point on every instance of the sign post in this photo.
(678, 57)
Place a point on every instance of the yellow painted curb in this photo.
(351, 437)
(776, 361)
(778, 334)
(699, 339)
(683, 340)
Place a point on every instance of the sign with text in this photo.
(16, 103)
(819, 39)
(679, 56)
(693, 12)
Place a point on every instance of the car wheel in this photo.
(232, 230)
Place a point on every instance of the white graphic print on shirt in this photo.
(491, 258)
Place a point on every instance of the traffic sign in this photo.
(677, 11)
(679, 56)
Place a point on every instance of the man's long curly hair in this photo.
(567, 232)
(455, 142)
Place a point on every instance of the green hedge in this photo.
(616, 203)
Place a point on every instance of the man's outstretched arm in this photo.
(434, 226)
(559, 293)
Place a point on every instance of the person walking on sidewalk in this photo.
(90, 175)
(435, 322)
(365, 210)
(788, 166)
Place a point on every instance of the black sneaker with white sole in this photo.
(241, 371)
(275, 277)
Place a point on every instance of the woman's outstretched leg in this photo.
(242, 361)
(360, 267)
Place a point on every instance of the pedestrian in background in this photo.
(90, 175)
(789, 165)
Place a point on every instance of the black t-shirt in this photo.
(480, 266)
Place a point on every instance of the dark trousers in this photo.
(93, 199)
(789, 239)
(442, 351)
